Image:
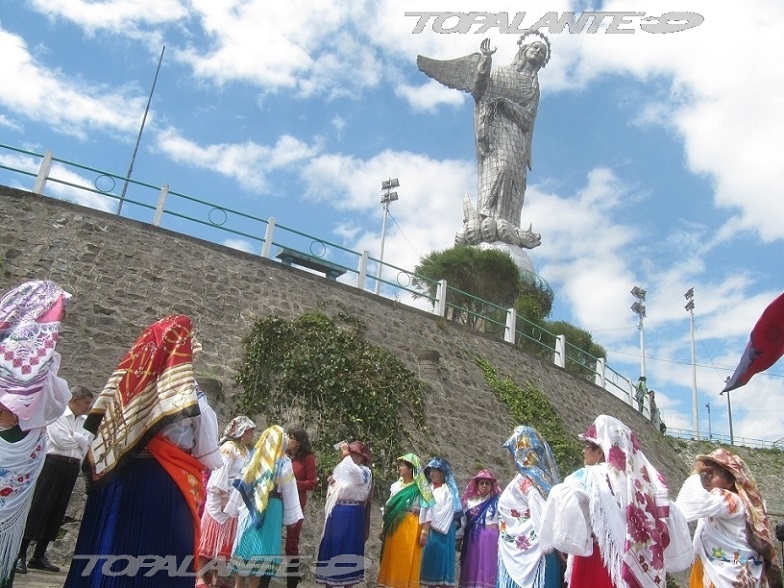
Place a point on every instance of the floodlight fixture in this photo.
(639, 293)
(386, 198)
(639, 310)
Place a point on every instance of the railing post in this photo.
(631, 393)
(599, 377)
(439, 307)
(362, 270)
(267, 247)
(43, 172)
(559, 357)
(511, 326)
(162, 195)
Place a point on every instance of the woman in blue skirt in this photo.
(438, 556)
(341, 555)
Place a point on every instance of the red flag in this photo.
(765, 347)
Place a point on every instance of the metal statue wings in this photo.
(458, 73)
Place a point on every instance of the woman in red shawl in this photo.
(154, 435)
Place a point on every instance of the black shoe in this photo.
(42, 563)
(21, 566)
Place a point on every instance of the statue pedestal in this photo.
(520, 257)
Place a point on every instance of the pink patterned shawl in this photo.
(30, 317)
(632, 485)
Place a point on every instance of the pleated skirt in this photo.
(257, 550)
(479, 558)
(217, 539)
(342, 551)
(401, 557)
(438, 559)
(139, 511)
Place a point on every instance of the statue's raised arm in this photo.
(506, 99)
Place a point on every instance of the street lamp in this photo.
(729, 410)
(388, 197)
(639, 309)
(689, 296)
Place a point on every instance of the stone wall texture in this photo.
(124, 275)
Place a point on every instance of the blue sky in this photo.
(657, 158)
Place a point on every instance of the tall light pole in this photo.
(729, 411)
(695, 411)
(388, 197)
(639, 309)
(710, 432)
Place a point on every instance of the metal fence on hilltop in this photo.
(163, 207)
(724, 439)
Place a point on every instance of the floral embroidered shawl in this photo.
(633, 556)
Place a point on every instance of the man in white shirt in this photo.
(66, 447)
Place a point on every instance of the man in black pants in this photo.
(66, 448)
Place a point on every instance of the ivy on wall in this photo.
(334, 383)
(530, 406)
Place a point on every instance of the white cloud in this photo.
(69, 105)
(429, 96)
(9, 124)
(247, 163)
(240, 244)
(121, 16)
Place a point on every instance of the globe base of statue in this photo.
(517, 253)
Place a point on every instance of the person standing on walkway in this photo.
(614, 517)
(266, 501)
(523, 561)
(68, 443)
(218, 529)
(346, 518)
(154, 435)
(732, 543)
(438, 555)
(479, 546)
(32, 396)
(303, 462)
(406, 526)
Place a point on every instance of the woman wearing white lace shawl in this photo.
(613, 516)
(341, 552)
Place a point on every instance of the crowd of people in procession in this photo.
(163, 482)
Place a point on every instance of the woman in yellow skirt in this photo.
(406, 527)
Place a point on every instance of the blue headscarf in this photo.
(439, 463)
(533, 458)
